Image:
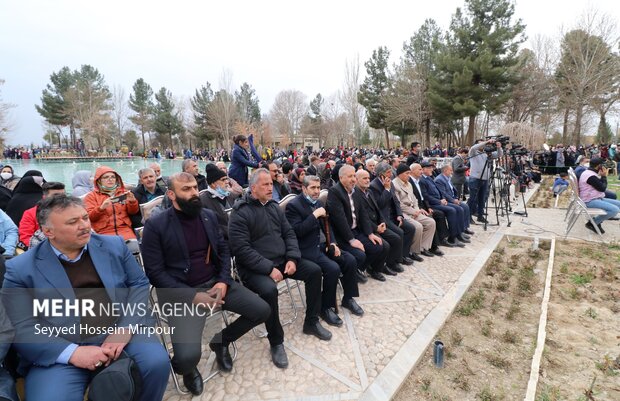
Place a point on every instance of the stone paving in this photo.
(397, 312)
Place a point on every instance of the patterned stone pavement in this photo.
(398, 312)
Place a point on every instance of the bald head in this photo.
(363, 179)
(416, 170)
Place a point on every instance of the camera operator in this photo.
(479, 179)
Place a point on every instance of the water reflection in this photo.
(63, 170)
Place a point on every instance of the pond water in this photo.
(63, 170)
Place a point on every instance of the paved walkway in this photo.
(369, 357)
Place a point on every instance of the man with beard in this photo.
(187, 259)
(265, 248)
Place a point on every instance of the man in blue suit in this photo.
(454, 214)
(450, 194)
(74, 265)
(308, 218)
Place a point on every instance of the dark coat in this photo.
(25, 195)
(240, 162)
(262, 237)
(165, 254)
(423, 204)
(387, 202)
(443, 184)
(339, 209)
(140, 193)
(430, 191)
(375, 217)
(218, 206)
(308, 229)
(459, 167)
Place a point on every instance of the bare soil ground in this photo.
(581, 360)
(490, 338)
(543, 198)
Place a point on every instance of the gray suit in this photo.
(459, 167)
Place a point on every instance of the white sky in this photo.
(272, 45)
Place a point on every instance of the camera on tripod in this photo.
(518, 150)
(492, 147)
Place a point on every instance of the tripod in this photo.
(501, 192)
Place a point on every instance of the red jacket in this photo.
(113, 220)
(28, 225)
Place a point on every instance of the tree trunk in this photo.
(565, 126)
(143, 139)
(387, 138)
(577, 130)
(469, 139)
(427, 131)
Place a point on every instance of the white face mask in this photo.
(6, 176)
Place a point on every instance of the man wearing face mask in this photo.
(187, 259)
(217, 197)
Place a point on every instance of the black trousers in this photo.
(376, 254)
(406, 231)
(395, 252)
(441, 232)
(308, 272)
(332, 269)
(187, 334)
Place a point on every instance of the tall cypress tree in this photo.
(54, 104)
(166, 121)
(200, 103)
(247, 104)
(141, 102)
(474, 69)
(374, 89)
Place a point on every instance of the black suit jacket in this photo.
(386, 200)
(308, 229)
(339, 209)
(165, 254)
(375, 216)
(421, 203)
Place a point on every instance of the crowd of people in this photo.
(317, 217)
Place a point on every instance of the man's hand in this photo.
(375, 239)
(381, 228)
(443, 202)
(425, 213)
(88, 357)
(355, 243)
(290, 268)
(416, 213)
(457, 202)
(387, 183)
(203, 298)
(603, 171)
(337, 252)
(115, 343)
(430, 211)
(400, 220)
(223, 287)
(276, 275)
(320, 212)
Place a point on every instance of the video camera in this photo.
(517, 150)
(492, 147)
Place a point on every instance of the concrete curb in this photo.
(389, 381)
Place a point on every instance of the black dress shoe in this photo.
(352, 306)
(463, 239)
(360, 277)
(377, 276)
(318, 331)
(396, 268)
(389, 271)
(456, 242)
(481, 220)
(468, 231)
(222, 356)
(427, 254)
(407, 261)
(600, 227)
(330, 317)
(464, 235)
(416, 257)
(447, 243)
(278, 356)
(193, 382)
(472, 222)
(437, 252)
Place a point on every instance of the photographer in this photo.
(460, 167)
(480, 171)
(592, 186)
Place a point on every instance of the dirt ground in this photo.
(490, 338)
(543, 198)
(581, 360)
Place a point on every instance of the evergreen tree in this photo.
(247, 105)
(474, 69)
(200, 103)
(54, 105)
(374, 89)
(140, 101)
(166, 121)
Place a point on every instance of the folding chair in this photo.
(577, 207)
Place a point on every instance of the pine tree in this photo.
(474, 69)
(54, 105)
(247, 105)
(141, 102)
(200, 103)
(166, 121)
(374, 89)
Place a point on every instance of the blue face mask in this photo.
(222, 191)
(312, 201)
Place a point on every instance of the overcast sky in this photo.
(272, 45)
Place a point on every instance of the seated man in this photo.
(352, 226)
(191, 166)
(217, 197)
(560, 184)
(162, 182)
(146, 191)
(444, 183)
(110, 207)
(233, 186)
(583, 165)
(309, 220)
(74, 264)
(183, 249)
(266, 251)
(592, 186)
(424, 224)
(280, 189)
(453, 213)
(28, 224)
(394, 243)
